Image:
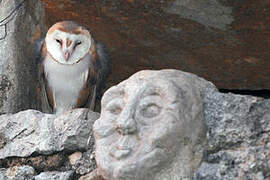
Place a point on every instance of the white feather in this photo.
(56, 50)
(66, 81)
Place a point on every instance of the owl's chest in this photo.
(66, 81)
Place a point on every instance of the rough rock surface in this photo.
(46, 143)
(238, 134)
(28, 173)
(224, 41)
(18, 78)
(55, 175)
(92, 176)
(31, 131)
(17, 173)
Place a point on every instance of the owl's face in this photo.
(67, 47)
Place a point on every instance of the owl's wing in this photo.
(45, 106)
(92, 98)
(90, 90)
(105, 68)
(42, 95)
(97, 75)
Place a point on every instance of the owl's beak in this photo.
(67, 54)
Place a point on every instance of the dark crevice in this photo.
(259, 93)
(40, 163)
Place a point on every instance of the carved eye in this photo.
(150, 110)
(58, 41)
(78, 43)
(115, 107)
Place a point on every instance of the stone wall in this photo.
(18, 77)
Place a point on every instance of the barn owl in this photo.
(73, 68)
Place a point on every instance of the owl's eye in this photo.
(58, 41)
(78, 43)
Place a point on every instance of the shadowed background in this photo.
(224, 41)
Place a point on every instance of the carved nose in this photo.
(125, 123)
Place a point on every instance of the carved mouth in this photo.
(123, 147)
(120, 153)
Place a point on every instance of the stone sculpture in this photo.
(151, 127)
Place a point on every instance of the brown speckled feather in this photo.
(46, 98)
(87, 95)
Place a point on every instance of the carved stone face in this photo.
(142, 126)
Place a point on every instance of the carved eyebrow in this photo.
(152, 91)
(115, 102)
(112, 94)
(116, 92)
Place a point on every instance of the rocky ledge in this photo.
(34, 145)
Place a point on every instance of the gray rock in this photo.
(92, 176)
(238, 138)
(17, 173)
(74, 129)
(231, 119)
(31, 131)
(152, 125)
(18, 77)
(209, 13)
(207, 172)
(54, 175)
(85, 164)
